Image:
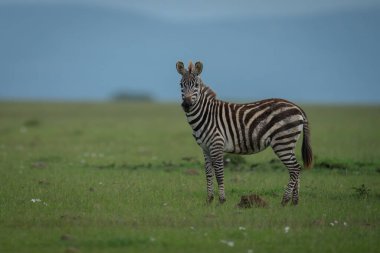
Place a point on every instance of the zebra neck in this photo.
(205, 94)
(208, 91)
(207, 100)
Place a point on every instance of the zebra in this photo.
(222, 127)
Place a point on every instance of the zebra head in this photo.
(190, 83)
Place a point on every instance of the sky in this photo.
(325, 51)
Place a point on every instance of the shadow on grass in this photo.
(236, 163)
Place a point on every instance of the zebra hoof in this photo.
(284, 201)
(209, 199)
(294, 202)
(221, 201)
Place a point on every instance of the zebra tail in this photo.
(307, 152)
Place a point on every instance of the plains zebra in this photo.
(220, 127)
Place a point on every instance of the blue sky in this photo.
(307, 51)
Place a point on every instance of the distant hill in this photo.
(131, 96)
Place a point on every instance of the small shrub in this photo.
(331, 165)
(362, 191)
(32, 123)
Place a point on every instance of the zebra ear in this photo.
(198, 68)
(180, 68)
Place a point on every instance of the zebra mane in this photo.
(207, 90)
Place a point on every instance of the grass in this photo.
(117, 177)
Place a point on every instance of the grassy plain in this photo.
(128, 177)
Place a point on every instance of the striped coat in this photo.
(249, 128)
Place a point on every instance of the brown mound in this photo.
(252, 200)
(191, 172)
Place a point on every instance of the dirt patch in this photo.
(66, 237)
(39, 165)
(72, 250)
(191, 172)
(190, 159)
(253, 200)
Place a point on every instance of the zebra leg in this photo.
(295, 192)
(284, 147)
(217, 162)
(209, 177)
(289, 160)
(292, 187)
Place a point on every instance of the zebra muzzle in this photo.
(186, 104)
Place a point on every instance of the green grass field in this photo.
(128, 177)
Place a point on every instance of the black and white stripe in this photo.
(220, 127)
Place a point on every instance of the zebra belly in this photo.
(244, 148)
(229, 147)
(244, 152)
